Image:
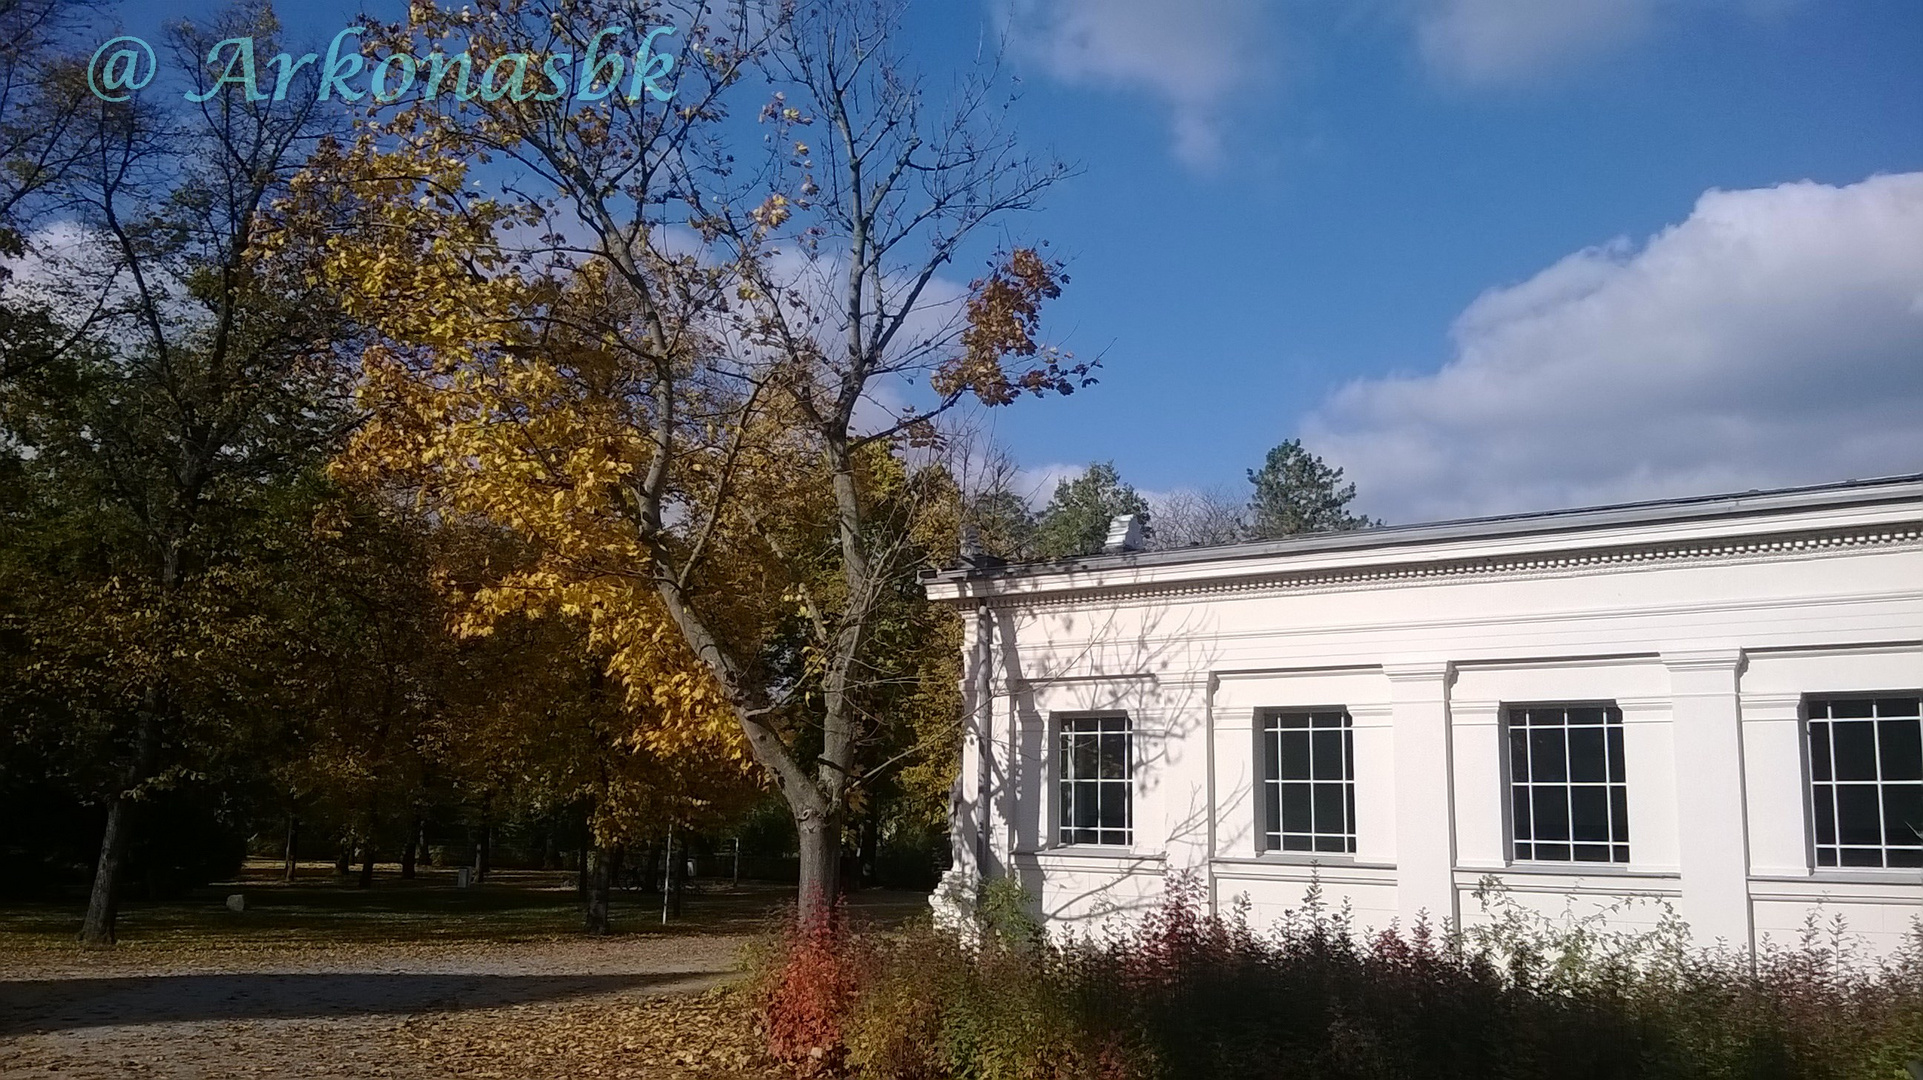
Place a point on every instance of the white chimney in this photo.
(1124, 534)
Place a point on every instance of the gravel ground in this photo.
(566, 1007)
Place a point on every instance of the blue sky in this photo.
(1489, 255)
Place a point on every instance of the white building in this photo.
(1711, 701)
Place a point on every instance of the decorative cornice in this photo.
(1751, 549)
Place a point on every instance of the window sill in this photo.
(1572, 869)
(1854, 875)
(1306, 858)
(1089, 853)
(1301, 858)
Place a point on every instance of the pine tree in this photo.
(1296, 492)
(1076, 520)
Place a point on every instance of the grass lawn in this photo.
(317, 910)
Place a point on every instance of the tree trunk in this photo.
(868, 851)
(344, 859)
(483, 850)
(411, 851)
(603, 864)
(677, 877)
(367, 864)
(102, 908)
(293, 846)
(651, 867)
(103, 903)
(820, 867)
(581, 873)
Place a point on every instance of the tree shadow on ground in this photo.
(44, 1005)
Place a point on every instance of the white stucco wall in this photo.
(1708, 634)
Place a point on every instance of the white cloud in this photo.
(1036, 483)
(1490, 42)
(78, 276)
(59, 256)
(1774, 337)
(1496, 41)
(1194, 58)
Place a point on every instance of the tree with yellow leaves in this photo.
(534, 722)
(653, 341)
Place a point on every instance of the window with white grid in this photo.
(1866, 780)
(1569, 801)
(1096, 793)
(1309, 777)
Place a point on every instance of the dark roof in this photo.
(1888, 489)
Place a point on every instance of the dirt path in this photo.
(617, 1007)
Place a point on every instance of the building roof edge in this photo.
(1851, 493)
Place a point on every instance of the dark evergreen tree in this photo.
(1004, 524)
(1296, 492)
(1076, 520)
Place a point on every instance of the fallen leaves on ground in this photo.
(664, 1037)
(680, 1037)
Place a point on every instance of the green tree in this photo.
(365, 657)
(1076, 520)
(1004, 524)
(1296, 492)
(995, 518)
(207, 385)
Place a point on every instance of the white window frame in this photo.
(1276, 837)
(1614, 785)
(1066, 780)
(1823, 789)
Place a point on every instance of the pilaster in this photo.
(1424, 809)
(1712, 838)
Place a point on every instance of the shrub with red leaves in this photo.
(1183, 993)
(806, 1000)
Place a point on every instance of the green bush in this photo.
(1186, 994)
